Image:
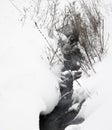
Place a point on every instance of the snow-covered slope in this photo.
(27, 86)
(97, 110)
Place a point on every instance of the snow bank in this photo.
(27, 86)
(97, 110)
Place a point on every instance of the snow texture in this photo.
(27, 86)
(97, 110)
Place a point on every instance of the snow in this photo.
(97, 110)
(27, 86)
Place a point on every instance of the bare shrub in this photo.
(83, 28)
(86, 29)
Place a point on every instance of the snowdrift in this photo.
(27, 86)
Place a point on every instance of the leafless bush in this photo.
(91, 34)
(87, 28)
